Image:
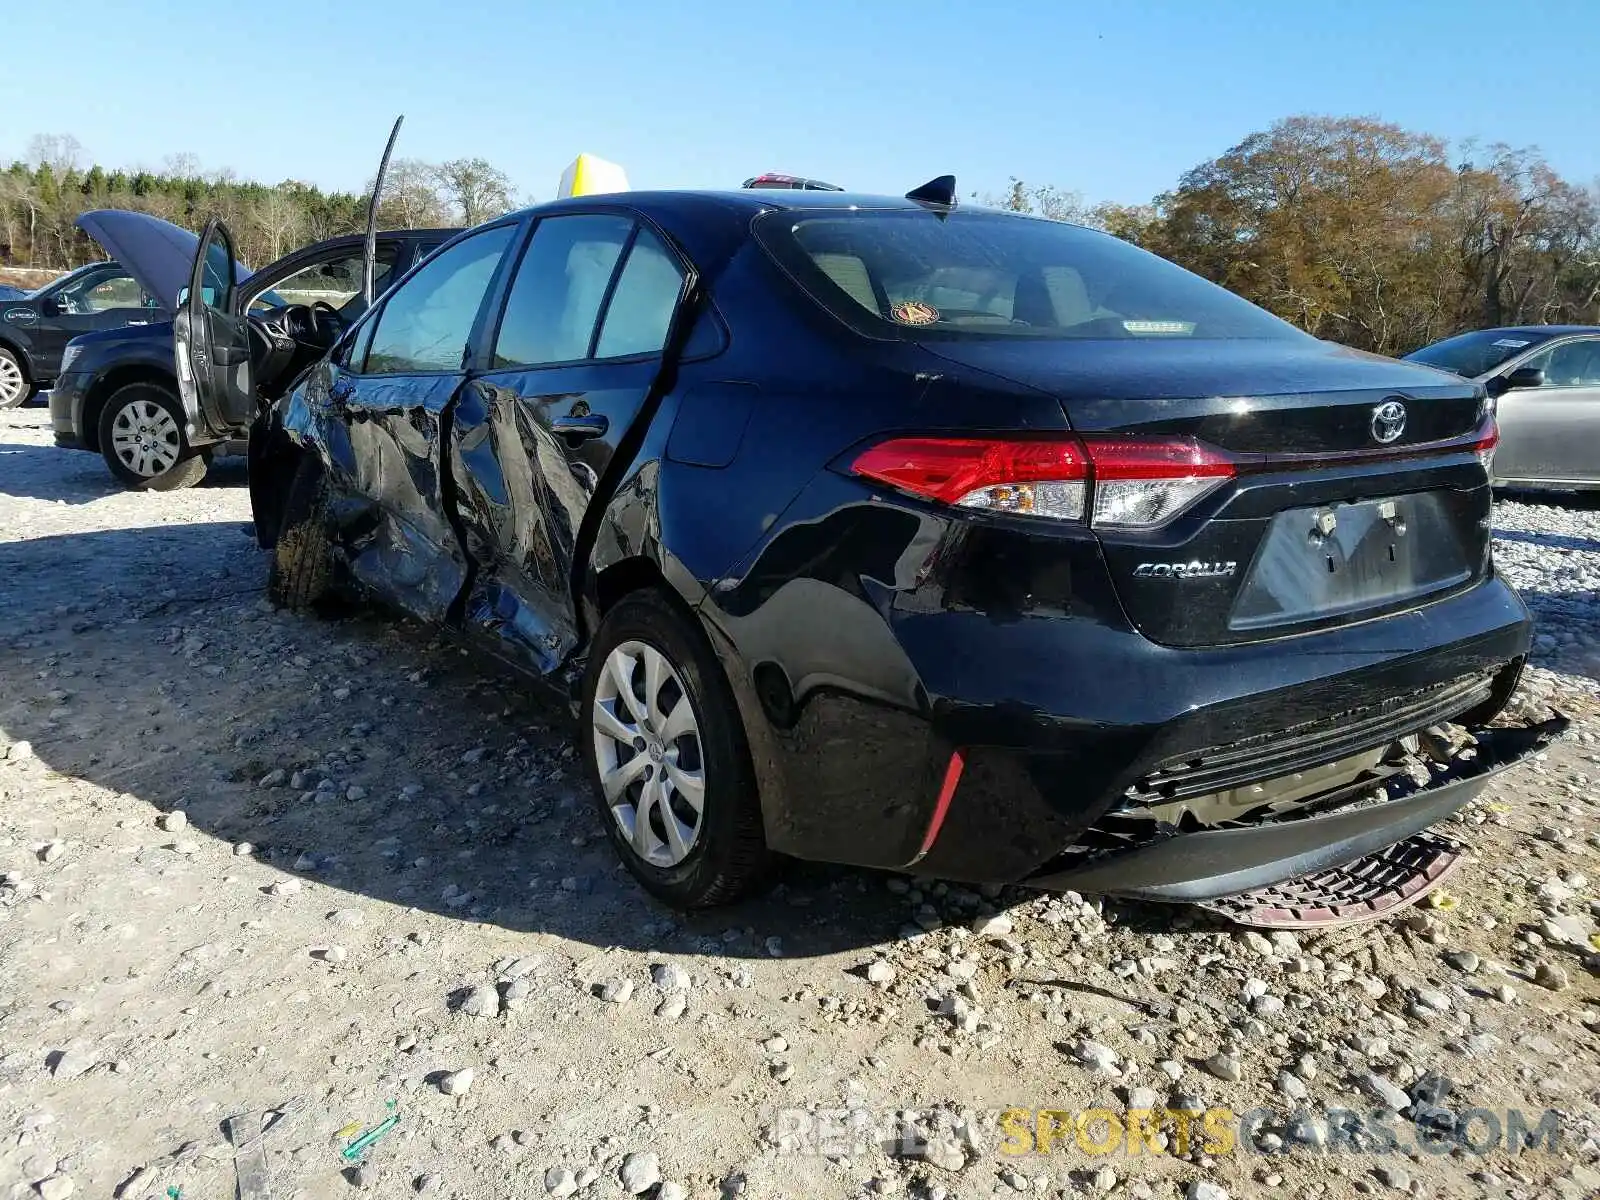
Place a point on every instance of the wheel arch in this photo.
(610, 578)
(94, 402)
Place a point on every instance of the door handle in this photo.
(579, 429)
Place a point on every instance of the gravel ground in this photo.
(254, 862)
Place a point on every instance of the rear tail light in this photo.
(1144, 482)
(1125, 483)
(1488, 439)
(1044, 478)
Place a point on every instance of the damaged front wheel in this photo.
(302, 561)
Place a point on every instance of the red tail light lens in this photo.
(1136, 483)
(1041, 477)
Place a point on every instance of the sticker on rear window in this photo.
(1168, 327)
(914, 312)
(1510, 343)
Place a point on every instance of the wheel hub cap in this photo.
(145, 438)
(10, 381)
(648, 751)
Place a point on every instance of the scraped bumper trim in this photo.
(1211, 864)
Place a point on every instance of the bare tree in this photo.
(61, 152)
(279, 221)
(411, 198)
(477, 189)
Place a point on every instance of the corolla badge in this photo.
(1185, 570)
(1388, 422)
(21, 316)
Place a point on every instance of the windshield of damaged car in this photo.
(1472, 354)
(992, 275)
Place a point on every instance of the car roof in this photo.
(1545, 330)
(753, 201)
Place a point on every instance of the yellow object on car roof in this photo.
(591, 175)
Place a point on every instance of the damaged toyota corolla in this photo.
(880, 531)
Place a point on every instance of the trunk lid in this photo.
(1358, 490)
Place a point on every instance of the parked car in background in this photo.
(36, 327)
(771, 179)
(118, 394)
(878, 531)
(1546, 380)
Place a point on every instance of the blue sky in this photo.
(1113, 100)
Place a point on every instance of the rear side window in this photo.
(426, 323)
(922, 274)
(641, 306)
(559, 288)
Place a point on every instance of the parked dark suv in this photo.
(36, 326)
(118, 391)
(884, 532)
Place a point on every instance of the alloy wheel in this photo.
(647, 747)
(12, 385)
(145, 438)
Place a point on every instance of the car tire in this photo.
(143, 442)
(16, 389)
(726, 856)
(300, 578)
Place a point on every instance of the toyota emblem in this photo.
(1388, 422)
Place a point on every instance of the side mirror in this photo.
(1524, 377)
(51, 307)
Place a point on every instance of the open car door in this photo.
(211, 343)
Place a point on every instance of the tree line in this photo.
(1365, 233)
(1356, 230)
(42, 193)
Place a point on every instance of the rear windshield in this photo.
(990, 275)
(1473, 354)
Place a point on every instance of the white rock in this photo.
(671, 1191)
(77, 1059)
(639, 1172)
(482, 1001)
(669, 977)
(52, 850)
(19, 751)
(1095, 1054)
(558, 1181)
(1379, 1088)
(1204, 1189)
(616, 991)
(881, 972)
(457, 1083)
(243, 849)
(57, 1187)
(172, 821)
(672, 1006)
(284, 887)
(997, 925)
(775, 1045)
(1225, 1067)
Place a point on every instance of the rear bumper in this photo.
(1215, 863)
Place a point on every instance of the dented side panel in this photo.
(530, 450)
(379, 438)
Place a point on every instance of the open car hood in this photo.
(157, 253)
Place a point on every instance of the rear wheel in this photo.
(15, 387)
(301, 574)
(667, 757)
(142, 440)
